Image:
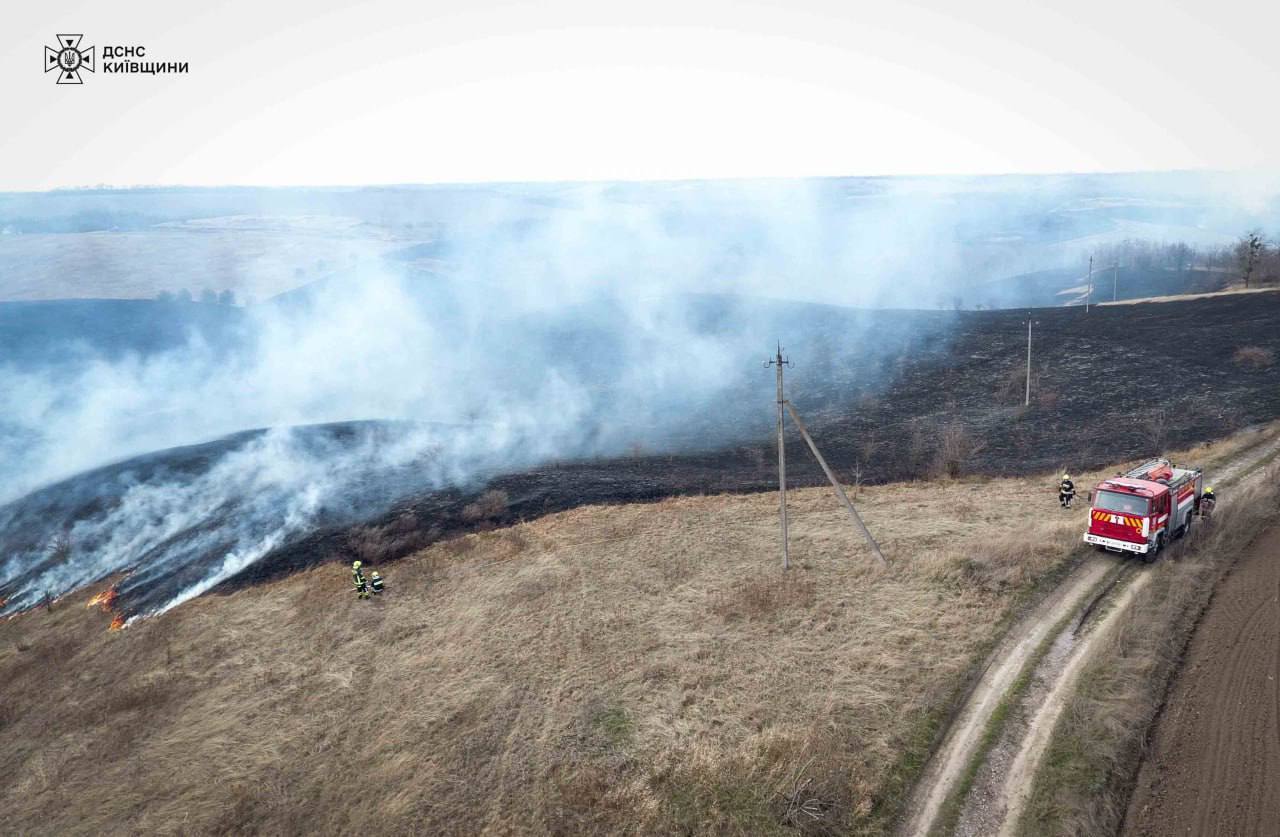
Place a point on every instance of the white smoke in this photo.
(558, 333)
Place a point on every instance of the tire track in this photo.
(961, 743)
(1058, 673)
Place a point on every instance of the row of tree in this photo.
(207, 296)
(1253, 259)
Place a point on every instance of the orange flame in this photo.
(118, 622)
(107, 599)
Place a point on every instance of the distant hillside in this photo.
(887, 394)
(35, 334)
(864, 241)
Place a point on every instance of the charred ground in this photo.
(889, 395)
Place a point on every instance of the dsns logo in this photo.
(68, 59)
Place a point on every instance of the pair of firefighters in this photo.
(364, 587)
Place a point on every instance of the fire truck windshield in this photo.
(1123, 503)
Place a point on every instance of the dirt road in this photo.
(962, 742)
(1214, 762)
(1001, 783)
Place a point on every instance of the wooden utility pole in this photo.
(1027, 401)
(1089, 293)
(778, 363)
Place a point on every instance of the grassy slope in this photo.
(634, 669)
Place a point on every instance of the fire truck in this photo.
(1142, 510)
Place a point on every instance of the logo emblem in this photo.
(68, 59)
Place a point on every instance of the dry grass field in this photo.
(641, 669)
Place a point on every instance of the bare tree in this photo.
(60, 547)
(1249, 252)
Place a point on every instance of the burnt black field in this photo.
(888, 395)
(1116, 383)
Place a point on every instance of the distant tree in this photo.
(165, 296)
(1250, 250)
(60, 547)
(227, 297)
(184, 295)
(208, 296)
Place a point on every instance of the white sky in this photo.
(393, 91)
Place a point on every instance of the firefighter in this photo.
(1207, 501)
(375, 582)
(1066, 491)
(357, 576)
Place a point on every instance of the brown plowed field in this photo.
(1214, 763)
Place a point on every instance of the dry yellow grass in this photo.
(1181, 297)
(627, 669)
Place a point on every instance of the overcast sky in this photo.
(400, 91)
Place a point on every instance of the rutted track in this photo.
(965, 737)
(1002, 781)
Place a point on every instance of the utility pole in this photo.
(778, 363)
(1027, 402)
(1089, 293)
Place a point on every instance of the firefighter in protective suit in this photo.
(357, 577)
(1066, 491)
(375, 582)
(1207, 501)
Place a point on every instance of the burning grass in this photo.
(639, 669)
(105, 600)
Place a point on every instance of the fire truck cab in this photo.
(1143, 509)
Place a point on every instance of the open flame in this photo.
(107, 599)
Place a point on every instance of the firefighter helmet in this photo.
(1066, 476)
(1209, 490)
(355, 565)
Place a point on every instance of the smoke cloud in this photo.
(574, 322)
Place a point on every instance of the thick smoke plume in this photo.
(581, 322)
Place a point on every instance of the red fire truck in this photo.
(1143, 509)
